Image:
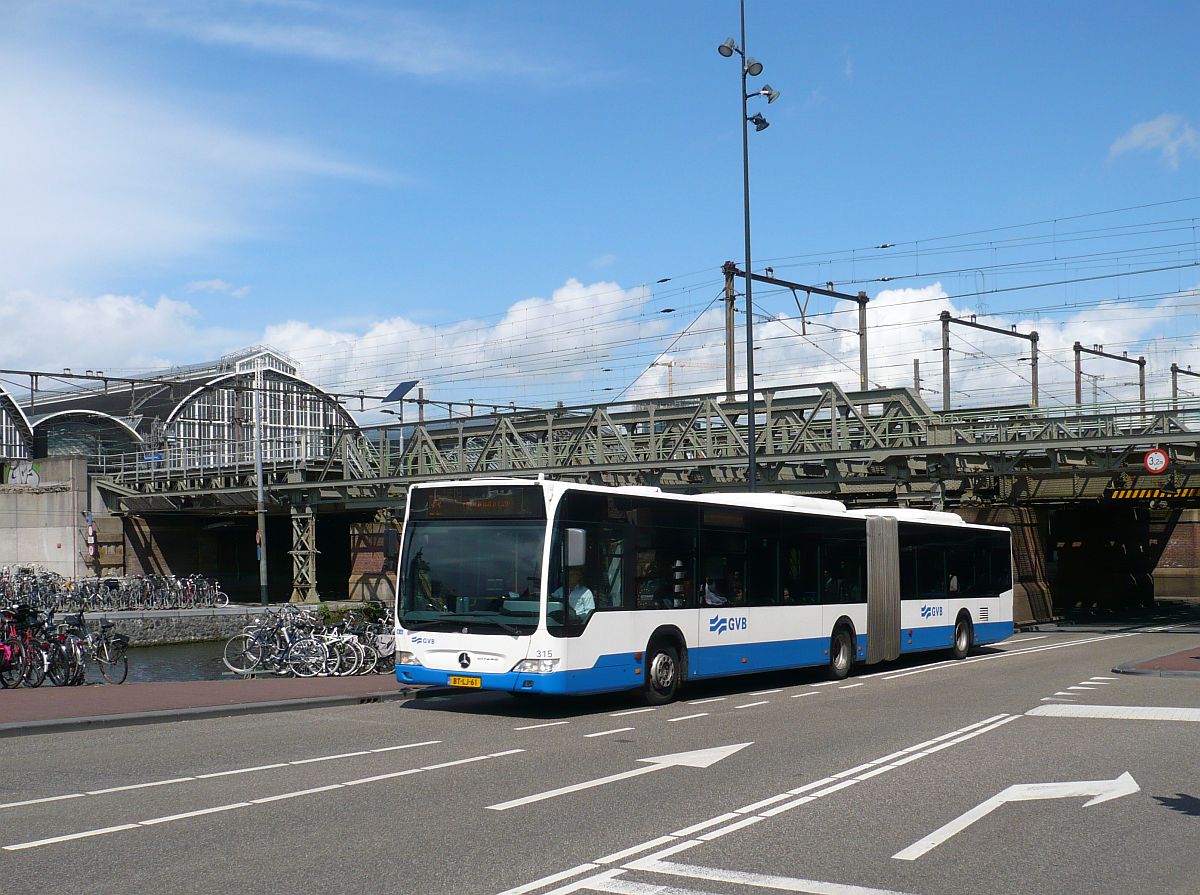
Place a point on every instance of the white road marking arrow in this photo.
(1100, 790)
(700, 758)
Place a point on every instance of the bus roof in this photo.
(911, 514)
(763, 500)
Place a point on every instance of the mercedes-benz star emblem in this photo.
(464, 660)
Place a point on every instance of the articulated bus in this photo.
(559, 588)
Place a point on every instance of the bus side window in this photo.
(663, 574)
(763, 562)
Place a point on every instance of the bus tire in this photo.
(964, 636)
(663, 674)
(841, 653)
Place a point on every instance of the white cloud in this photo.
(93, 174)
(218, 286)
(1171, 135)
(109, 332)
(384, 38)
(539, 347)
(903, 325)
(586, 341)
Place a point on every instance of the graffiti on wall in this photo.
(22, 472)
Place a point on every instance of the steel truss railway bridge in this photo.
(870, 447)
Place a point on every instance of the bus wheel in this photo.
(662, 674)
(841, 654)
(963, 637)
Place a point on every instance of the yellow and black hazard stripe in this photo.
(1152, 493)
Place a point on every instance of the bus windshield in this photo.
(481, 575)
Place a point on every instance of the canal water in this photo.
(178, 662)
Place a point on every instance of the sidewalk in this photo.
(58, 708)
(1185, 663)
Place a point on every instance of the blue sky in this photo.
(483, 195)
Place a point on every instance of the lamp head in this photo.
(770, 93)
(728, 48)
(753, 67)
(760, 123)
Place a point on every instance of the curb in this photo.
(1132, 668)
(55, 725)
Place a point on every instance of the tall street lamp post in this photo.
(750, 68)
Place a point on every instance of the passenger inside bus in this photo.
(664, 594)
(712, 593)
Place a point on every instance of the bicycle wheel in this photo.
(35, 666)
(337, 658)
(370, 658)
(12, 663)
(307, 657)
(360, 655)
(348, 660)
(243, 654)
(113, 662)
(63, 669)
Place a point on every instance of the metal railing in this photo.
(809, 422)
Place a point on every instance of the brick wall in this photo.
(1178, 571)
(372, 571)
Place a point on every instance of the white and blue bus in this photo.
(554, 587)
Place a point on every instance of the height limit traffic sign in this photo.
(1155, 461)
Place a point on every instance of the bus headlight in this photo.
(536, 666)
(403, 658)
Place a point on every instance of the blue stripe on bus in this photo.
(993, 632)
(618, 671)
(743, 658)
(942, 636)
(913, 640)
(597, 679)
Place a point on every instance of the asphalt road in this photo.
(809, 787)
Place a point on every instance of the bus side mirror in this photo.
(576, 547)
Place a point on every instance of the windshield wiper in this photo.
(483, 620)
(427, 625)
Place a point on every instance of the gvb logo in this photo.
(931, 611)
(719, 624)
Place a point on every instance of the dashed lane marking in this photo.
(537, 726)
(748, 705)
(689, 717)
(1005, 654)
(171, 818)
(262, 767)
(605, 733)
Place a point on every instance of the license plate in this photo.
(457, 681)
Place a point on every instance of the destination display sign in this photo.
(483, 502)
